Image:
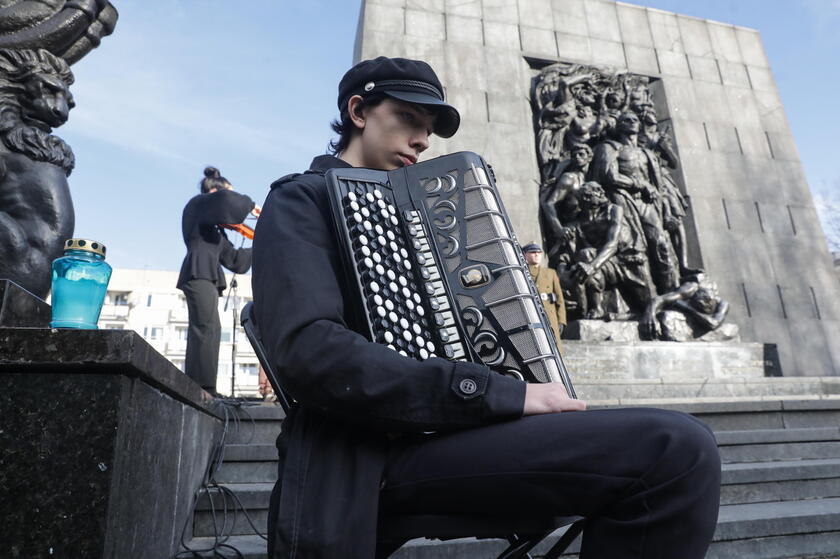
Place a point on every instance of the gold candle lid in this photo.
(85, 244)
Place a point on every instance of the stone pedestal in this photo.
(102, 448)
(674, 325)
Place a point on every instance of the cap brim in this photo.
(448, 119)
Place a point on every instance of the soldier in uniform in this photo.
(548, 286)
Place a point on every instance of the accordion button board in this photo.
(435, 270)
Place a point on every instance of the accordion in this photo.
(435, 268)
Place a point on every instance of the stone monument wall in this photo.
(757, 231)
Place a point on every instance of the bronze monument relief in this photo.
(611, 209)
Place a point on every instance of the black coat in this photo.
(350, 391)
(208, 248)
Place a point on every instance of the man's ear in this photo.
(357, 116)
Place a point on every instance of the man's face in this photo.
(533, 257)
(704, 301)
(592, 196)
(585, 94)
(581, 157)
(628, 123)
(395, 134)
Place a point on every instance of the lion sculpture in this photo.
(36, 211)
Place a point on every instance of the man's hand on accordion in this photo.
(549, 397)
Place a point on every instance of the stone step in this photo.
(750, 414)
(250, 452)
(233, 524)
(659, 388)
(267, 452)
(250, 495)
(247, 472)
(780, 451)
(254, 432)
(759, 531)
(741, 484)
(763, 436)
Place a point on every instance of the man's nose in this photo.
(420, 141)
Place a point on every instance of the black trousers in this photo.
(204, 334)
(648, 480)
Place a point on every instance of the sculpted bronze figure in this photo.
(36, 212)
(38, 41)
(611, 209)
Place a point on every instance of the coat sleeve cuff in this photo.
(503, 397)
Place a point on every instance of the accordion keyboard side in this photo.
(389, 265)
(438, 270)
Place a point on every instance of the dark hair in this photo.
(345, 128)
(213, 179)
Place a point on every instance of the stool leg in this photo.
(565, 540)
(519, 547)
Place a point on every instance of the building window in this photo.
(119, 298)
(179, 363)
(248, 369)
(156, 333)
(149, 300)
(113, 326)
(225, 335)
(181, 332)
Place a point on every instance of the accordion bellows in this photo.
(434, 268)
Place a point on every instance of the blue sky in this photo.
(182, 84)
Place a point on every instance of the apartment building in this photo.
(147, 302)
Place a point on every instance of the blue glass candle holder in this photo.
(79, 283)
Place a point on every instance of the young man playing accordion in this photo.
(359, 443)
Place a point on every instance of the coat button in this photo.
(468, 386)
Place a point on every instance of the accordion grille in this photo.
(510, 315)
(511, 282)
(479, 200)
(494, 253)
(485, 228)
(526, 344)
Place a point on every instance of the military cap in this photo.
(412, 81)
(532, 247)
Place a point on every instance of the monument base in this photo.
(105, 444)
(674, 327)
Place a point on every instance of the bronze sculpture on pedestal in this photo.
(38, 41)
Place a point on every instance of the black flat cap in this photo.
(532, 247)
(412, 81)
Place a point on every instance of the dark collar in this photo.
(322, 163)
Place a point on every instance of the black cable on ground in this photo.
(233, 411)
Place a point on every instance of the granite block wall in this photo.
(757, 232)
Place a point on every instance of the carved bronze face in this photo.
(581, 156)
(704, 300)
(615, 98)
(584, 93)
(648, 114)
(592, 195)
(48, 100)
(628, 123)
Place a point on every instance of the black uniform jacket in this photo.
(352, 395)
(208, 248)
